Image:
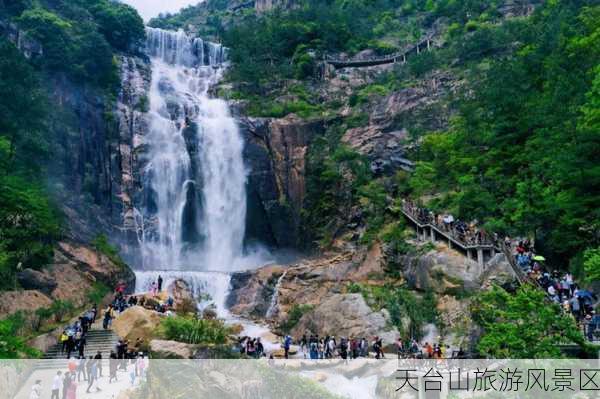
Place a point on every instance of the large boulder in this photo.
(346, 315)
(137, 322)
(162, 349)
(252, 291)
(443, 270)
(183, 297)
(35, 280)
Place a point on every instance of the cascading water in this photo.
(194, 207)
(192, 214)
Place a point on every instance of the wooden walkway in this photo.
(484, 250)
(424, 44)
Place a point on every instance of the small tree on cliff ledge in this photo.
(523, 325)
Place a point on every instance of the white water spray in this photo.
(194, 208)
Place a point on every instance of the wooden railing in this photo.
(400, 56)
(486, 242)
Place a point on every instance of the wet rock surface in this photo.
(275, 152)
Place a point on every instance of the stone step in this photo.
(97, 339)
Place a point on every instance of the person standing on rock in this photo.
(56, 383)
(160, 283)
(364, 345)
(260, 349)
(343, 348)
(332, 345)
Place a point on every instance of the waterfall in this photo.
(211, 287)
(275, 297)
(193, 208)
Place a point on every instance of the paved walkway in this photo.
(46, 375)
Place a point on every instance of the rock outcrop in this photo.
(346, 315)
(183, 296)
(137, 323)
(75, 269)
(268, 5)
(31, 279)
(309, 282)
(161, 349)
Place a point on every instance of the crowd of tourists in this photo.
(89, 373)
(315, 347)
(470, 233)
(560, 287)
(73, 337)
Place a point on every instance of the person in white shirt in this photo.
(35, 390)
(56, 384)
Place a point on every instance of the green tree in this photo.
(523, 325)
(23, 108)
(12, 345)
(591, 265)
(120, 24)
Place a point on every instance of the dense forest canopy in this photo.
(79, 40)
(520, 154)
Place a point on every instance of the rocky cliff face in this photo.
(132, 122)
(75, 270)
(95, 167)
(267, 5)
(275, 154)
(322, 284)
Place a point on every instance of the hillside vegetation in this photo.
(79, 40)
(520, 151)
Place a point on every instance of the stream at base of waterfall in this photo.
(191, 217)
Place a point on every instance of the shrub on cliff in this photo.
(294, 316)
(12, 345)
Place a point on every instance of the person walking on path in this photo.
(56, 384)
(93, 376)
(160, 283)
(98, 359)
(81, 369)
(72, 391)
(109, 314)
(112, 367)
(66, 384)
